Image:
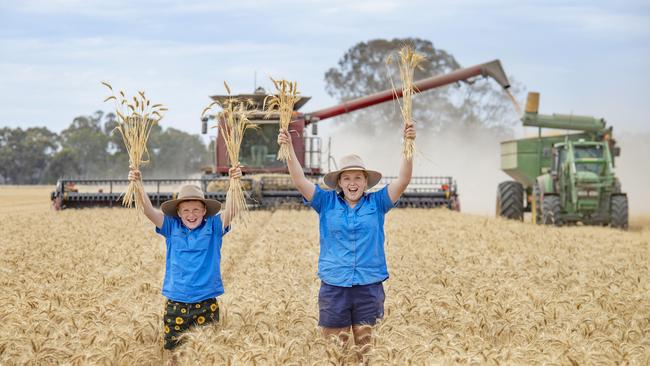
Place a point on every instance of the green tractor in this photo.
(562, 179)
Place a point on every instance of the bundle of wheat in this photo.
(135, 121)
(282, 102)
(232, 125)
(408, 60)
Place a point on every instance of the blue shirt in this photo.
(351, 239)
(193, 263)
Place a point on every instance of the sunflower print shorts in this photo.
(181, 316)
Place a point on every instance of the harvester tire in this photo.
(619, 215)
(552, 211)
(510, 200)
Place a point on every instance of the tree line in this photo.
(89, 148)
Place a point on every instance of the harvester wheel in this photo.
(552, 211)
(619, 216)
(510, 200)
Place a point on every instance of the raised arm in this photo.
(228, 214)
(154, 215)
(304, 186)
(397, 187)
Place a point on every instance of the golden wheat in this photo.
(407, 61)
(282, 102)
(83, 287)
(134, 123)
(233, 121)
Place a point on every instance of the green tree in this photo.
(177, 154)
(87, 142)
(8, 161)
(24, 154)
(363, 70)
(63, 164)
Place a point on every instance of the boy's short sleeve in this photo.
(217, 225)
(166, 229)
(318, 201)
(382, 199)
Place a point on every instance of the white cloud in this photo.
(66, 74)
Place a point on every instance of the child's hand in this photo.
(284, 138)
(134, 175)
(409, 132)
(235, 172)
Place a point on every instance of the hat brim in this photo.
(170, 208)
(331, 179)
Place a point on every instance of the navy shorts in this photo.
(341, 307)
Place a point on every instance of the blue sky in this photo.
(585, 57)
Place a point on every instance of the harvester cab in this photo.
(562, 179)
(266, 181)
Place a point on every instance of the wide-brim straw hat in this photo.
(351, 162)
(190, 192)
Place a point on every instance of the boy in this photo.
(193, 229)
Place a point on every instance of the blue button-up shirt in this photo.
(193, 263)
(351, 239)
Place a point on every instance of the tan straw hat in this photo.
(190, 192)
(351, 162)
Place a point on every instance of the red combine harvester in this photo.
(266, 180)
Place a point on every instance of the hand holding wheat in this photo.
(284, 139)
(134, 176)
(409, 132)
(135, 119)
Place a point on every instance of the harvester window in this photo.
(259, 147)
(582, 152)
(589, 152)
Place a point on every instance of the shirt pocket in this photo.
(337, 224)
(203, 239)
(368, 219)
(368, 209)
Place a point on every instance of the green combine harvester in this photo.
(562, 179)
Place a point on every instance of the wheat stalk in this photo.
(282, 102)
(136, 117)
(233, 122)
(408, 60)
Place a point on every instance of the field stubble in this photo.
(83, 287)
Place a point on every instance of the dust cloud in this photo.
(633, 169)
(471, 157)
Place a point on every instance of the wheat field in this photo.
(83, 287)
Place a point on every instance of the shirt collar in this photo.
(188, 230)
(341, 196)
